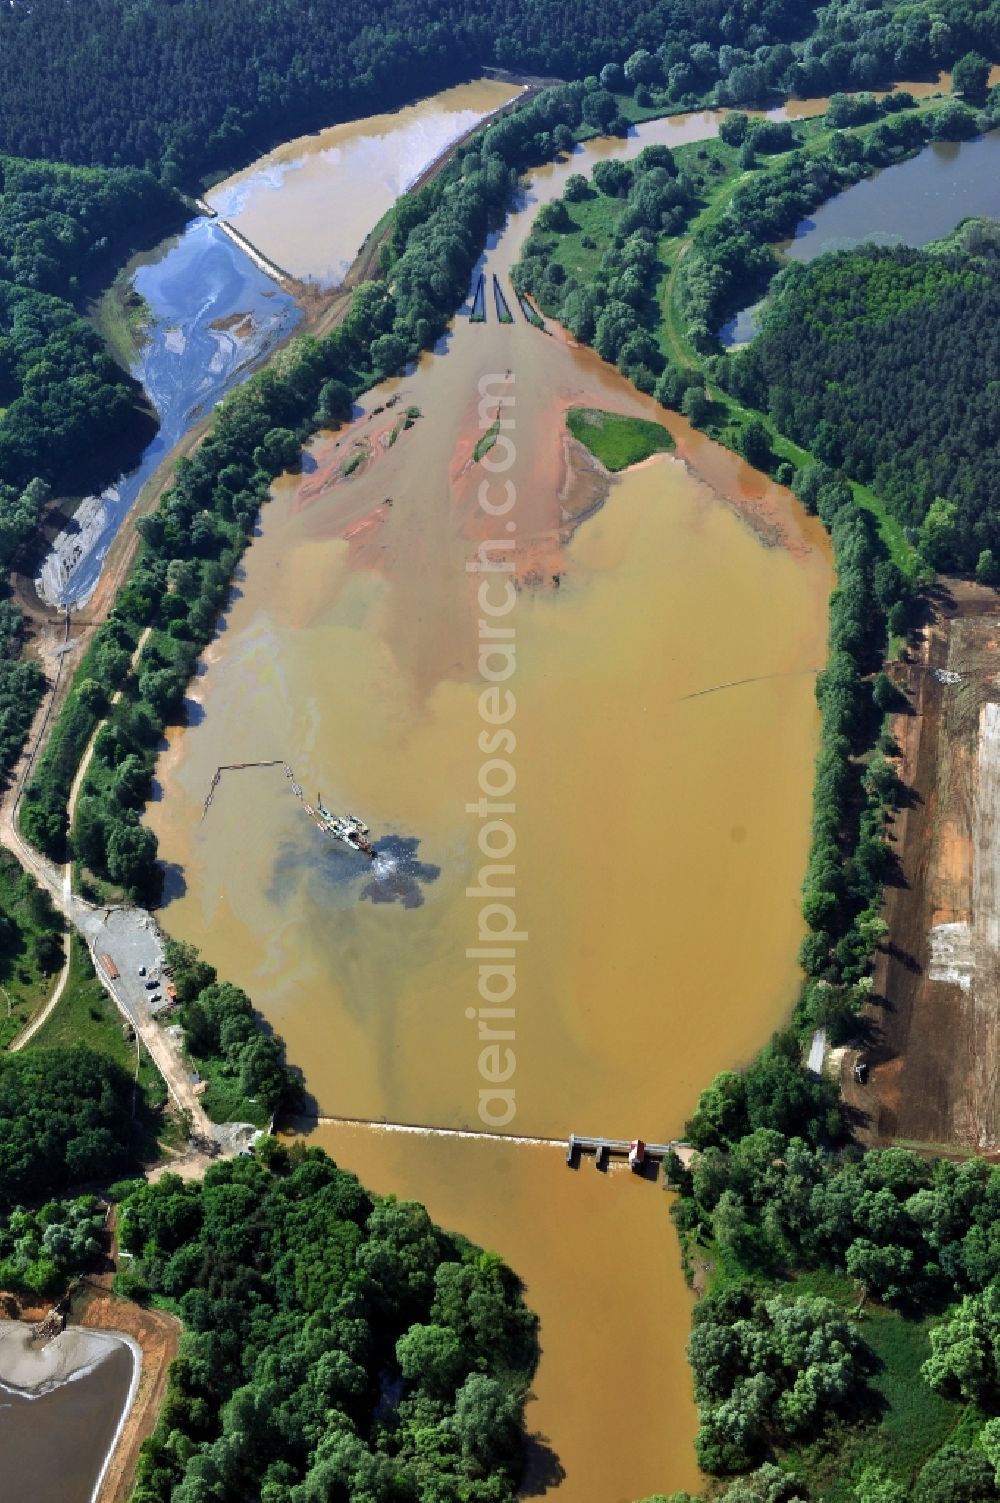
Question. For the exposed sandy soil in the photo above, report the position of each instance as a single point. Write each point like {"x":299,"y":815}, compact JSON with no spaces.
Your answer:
{"x":239,"y":324}
{"x":933,"y":1026}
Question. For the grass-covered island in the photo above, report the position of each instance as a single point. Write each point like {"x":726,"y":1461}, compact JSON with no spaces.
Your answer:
{"x":617,"y":441}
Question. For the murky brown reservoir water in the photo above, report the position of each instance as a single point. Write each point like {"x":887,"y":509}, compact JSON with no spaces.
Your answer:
{"x":310,"y":203}
{"x":660,"y":830}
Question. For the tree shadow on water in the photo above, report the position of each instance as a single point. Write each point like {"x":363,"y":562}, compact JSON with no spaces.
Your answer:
{"x":542,"y":1468}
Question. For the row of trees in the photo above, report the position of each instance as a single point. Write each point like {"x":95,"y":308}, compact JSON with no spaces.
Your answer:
{"x":845,"y":46}
{"x":222,"y":1036}
{"x":856,"y":786}
{"x":335,"y":1345}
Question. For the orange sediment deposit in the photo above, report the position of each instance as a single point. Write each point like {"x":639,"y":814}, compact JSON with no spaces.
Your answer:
{"x":158,"y":1336}
{"x":762,"y":503}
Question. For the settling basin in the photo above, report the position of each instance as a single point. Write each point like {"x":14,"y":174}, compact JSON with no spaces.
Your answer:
{"x":310,"y":203}
{"x":60,"y":1411}
{"x":213,"y":316}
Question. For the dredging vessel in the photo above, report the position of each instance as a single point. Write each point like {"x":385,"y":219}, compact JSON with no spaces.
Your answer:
{"x":345,"y":827}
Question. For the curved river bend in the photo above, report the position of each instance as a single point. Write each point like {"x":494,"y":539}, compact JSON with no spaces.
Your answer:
{"x":651,"y":819}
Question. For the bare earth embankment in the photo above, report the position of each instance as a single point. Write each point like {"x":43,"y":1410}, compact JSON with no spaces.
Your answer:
{"x":934,"y":1021}
{"x":158,"y":1336}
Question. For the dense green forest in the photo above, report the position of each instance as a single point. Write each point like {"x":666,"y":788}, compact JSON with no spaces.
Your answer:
{"x":69,"y":416}
{"x":336,"y":1345}
{"x":233,"y":73}
{"x":882,"y":362}
{"x":65,"y":1118}
{"x":230,"y":74}
{"x":75,"y":81}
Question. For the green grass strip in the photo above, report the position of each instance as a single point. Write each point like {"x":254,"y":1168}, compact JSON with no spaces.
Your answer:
{"x":487,"y":441}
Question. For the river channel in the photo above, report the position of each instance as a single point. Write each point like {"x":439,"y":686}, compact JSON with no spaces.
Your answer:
{"x":667,"y":628}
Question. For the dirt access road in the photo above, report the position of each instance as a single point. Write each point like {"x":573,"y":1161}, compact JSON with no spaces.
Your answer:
{"x":933,"y":1025}
{"x":128,"y":937}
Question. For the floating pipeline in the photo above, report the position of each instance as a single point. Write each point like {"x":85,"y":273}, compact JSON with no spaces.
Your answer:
{"x":347,"y":828}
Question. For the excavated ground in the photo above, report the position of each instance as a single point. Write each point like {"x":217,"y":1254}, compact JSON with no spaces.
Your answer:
{"x":932,"y":1028}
